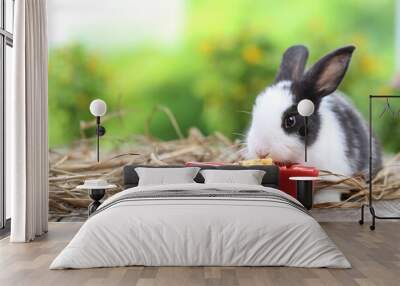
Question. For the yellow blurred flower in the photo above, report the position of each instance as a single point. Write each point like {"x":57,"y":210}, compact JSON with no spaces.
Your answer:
{"x":206,"y":48}
{"x":368,"y":64}
{"x":92,"y":64}
{"x":252,"y":54}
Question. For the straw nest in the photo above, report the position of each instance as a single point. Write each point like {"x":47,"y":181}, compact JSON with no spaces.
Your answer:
{"x":70,"y":167}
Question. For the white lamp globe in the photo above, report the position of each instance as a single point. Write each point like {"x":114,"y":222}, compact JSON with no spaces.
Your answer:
{"x":98,"y":107}
{"x":305,"y":107}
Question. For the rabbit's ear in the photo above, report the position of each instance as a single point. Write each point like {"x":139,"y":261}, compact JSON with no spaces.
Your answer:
{"x":293,"y":63}
{"x":325,"y":76}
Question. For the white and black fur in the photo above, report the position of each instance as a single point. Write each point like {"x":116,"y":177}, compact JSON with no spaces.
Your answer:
{"x":338,"y":136}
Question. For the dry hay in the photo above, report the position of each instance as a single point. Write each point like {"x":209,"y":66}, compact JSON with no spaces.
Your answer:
{"x":385,"y":185}
{"x":71,"y":167}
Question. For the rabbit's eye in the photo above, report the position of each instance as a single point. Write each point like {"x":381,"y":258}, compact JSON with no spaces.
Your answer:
{"x":290,"y":121}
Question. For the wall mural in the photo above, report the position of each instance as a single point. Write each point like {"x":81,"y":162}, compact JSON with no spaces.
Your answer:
{"x":219,"y":83}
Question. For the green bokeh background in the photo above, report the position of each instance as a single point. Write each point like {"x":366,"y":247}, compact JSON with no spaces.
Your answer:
{"x":230,"y":51}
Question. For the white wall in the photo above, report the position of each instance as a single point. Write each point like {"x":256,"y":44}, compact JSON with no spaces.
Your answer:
{"x":105,"y":23}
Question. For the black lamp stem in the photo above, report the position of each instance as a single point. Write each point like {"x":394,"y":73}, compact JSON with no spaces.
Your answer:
{"x":98,"y":137}
{"x":305,"y":137}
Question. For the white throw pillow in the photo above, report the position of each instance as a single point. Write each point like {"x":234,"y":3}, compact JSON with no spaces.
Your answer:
{"x":247,"y":177}
{"x":165,"y":176}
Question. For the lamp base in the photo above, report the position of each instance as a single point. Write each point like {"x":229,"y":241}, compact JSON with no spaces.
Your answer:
{"x":96,"y":195}
{"x":305,"y":193}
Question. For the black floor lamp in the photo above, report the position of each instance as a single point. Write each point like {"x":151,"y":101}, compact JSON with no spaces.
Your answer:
{"x":97,"y":187}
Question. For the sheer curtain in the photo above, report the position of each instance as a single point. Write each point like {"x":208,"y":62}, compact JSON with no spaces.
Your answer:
{"x":26,"y":124}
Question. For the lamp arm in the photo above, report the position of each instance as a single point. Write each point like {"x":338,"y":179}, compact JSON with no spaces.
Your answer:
{"x":305,"y":137}
{"x":98,"y":137}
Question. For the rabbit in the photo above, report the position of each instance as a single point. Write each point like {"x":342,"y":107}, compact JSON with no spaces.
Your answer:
{"x":337,"y":135}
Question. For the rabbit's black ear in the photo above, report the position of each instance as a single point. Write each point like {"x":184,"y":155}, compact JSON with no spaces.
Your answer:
{"x":325,"y":76}
{"x":293,"y":63}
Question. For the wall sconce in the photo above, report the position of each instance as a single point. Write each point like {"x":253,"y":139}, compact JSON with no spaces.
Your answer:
{"x":98,"y":108}
{"x":305,"y":108}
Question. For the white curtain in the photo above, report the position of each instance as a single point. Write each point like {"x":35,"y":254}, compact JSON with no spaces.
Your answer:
{"x":26,"y":123}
